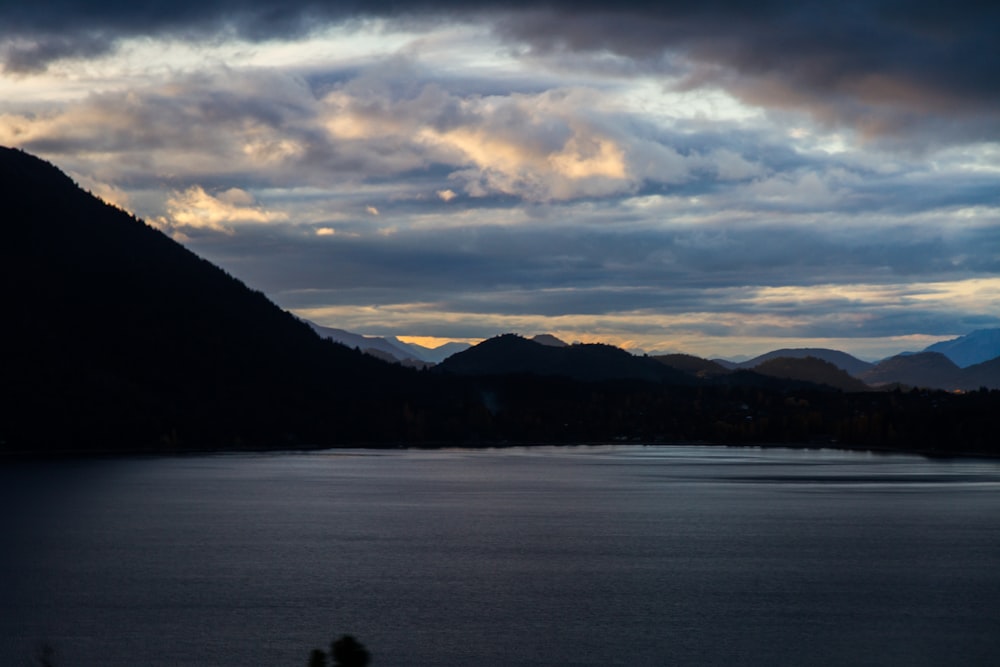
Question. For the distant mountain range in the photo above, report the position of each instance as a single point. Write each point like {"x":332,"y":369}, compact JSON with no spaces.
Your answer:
{"x":927,"y":369}
{"x":511,"y":354}
{"x":390,"y":349}
{"x":545,"y":354}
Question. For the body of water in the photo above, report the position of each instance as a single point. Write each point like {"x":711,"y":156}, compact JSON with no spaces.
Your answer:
{"x":584,"y":556}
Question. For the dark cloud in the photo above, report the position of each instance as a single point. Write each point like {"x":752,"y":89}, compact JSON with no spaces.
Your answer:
{"x":888,"y":68}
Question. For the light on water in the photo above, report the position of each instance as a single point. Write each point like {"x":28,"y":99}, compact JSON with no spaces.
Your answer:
{"x":581,"y":556}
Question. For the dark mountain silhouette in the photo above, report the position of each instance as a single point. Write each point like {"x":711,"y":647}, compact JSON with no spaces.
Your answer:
{"x":548,"y":339}
{"x":924,"y":369}
{"x":974,"y":348}
{"x":511,"y":354}
{"x":811,"y":369}
{"x":692,"y":365}
{"x":841,"y":360}
{"x":165,"y":349}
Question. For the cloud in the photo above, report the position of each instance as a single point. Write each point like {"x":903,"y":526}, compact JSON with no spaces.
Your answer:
{"x":886,"y":69}
{"x":644,"y":174}
{"x":196,"y":209}
{"x":225,"y":125}
{"x":192,"y":127}
{"x":891,"y":71}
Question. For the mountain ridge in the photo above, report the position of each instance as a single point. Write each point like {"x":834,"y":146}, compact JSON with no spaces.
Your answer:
{"x":509,"y":354}
{"x":168,"y":353}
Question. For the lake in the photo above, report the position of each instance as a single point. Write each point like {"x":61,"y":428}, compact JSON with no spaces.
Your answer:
{"x":611,"y":555}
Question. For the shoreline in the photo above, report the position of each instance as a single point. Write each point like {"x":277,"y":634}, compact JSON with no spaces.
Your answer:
{"x":97,"y":454}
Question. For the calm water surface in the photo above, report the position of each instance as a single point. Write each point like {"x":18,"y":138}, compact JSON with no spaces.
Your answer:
{"x":546,"y":556}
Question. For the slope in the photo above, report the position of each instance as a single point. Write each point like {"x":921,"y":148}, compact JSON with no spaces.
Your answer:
{"x":165,"y":350}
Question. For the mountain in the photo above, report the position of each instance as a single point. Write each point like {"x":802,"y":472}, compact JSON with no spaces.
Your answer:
{"x":390,"y":349}
{"x":692,"y":365}
{"x":841,"y":360}
{"x":974,"y":348}
{"x":431,"y":355}
{"x":548,"y":339}
{"x":811,"y":369}
{"x":510,"y":354}
{"x":378,"y":347}
{"x":986,"y":374}
{"x":923,"y":369}
{"x":165,"y":350}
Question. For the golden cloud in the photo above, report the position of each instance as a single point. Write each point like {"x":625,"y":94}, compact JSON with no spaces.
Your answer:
{"x":196,"y":208}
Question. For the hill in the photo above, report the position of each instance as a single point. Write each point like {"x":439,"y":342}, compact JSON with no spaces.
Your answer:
{"x":692,"y":365}
{"x":986,"y":374}
{"x":165,"y":350}
{"x":811,"y":369}
{"x":510,"y":354}
{"x":846,"y":362}
{"x":924,"y":369}
{"x":549,"y":339}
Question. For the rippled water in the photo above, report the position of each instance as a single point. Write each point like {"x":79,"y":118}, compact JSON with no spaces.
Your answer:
{"x":545,"y":556}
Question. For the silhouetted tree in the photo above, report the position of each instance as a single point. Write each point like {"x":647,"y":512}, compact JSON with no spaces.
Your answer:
{"x":45,"y":656}
{"x":349,"y":652}
{"x":346,"y":652}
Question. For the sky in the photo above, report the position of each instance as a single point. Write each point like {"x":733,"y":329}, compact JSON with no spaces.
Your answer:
{"x":720,"y":178}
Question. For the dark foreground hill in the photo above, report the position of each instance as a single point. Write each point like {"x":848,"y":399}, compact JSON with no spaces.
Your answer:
{"x":118,"y":337}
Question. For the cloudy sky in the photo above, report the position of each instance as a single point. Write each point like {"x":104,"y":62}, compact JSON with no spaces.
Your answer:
{"x":718,"y":177}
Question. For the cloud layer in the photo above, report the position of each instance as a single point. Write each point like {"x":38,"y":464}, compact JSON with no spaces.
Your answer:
{"x":886,"y":69}
{"x":717,"y":179}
